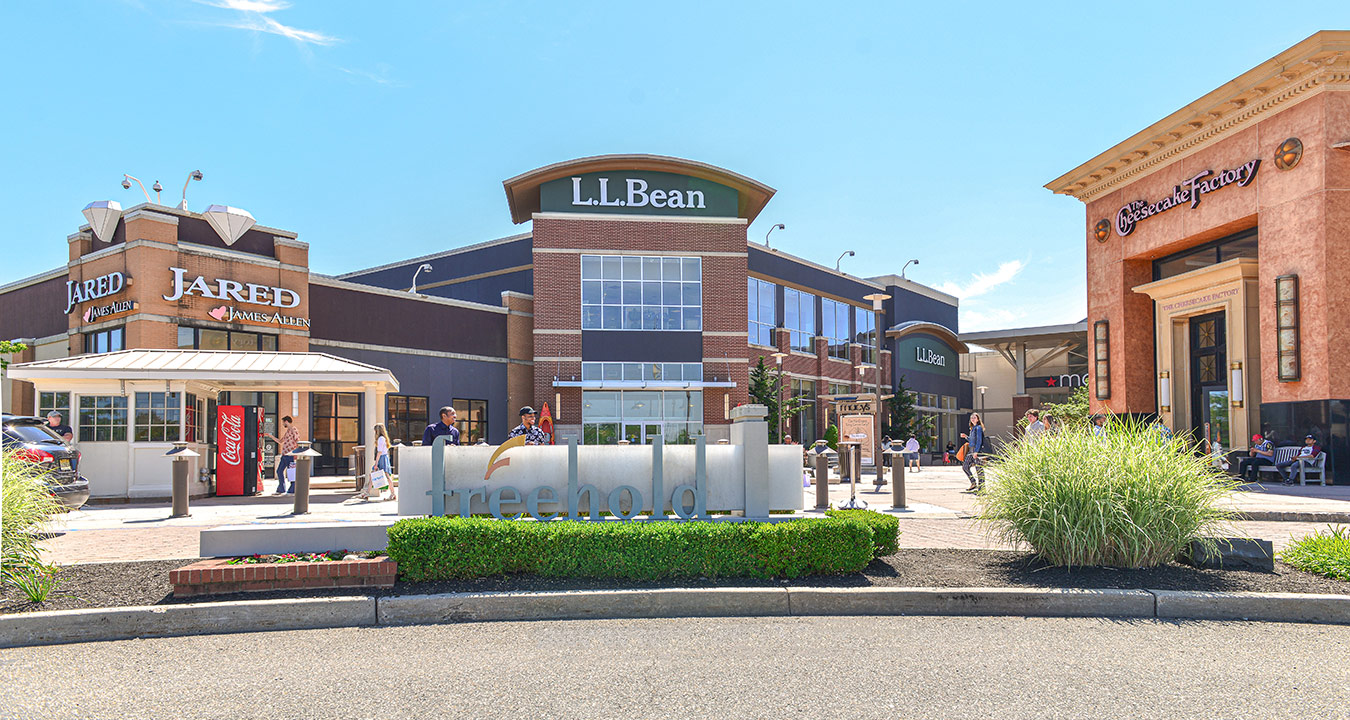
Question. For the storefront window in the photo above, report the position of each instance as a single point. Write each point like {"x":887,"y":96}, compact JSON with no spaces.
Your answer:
{"x":799,"y":317}
{"x":1238,"y":245}
{"x":865,"y":324}
{"x":471,"y":417}
{"x":641,"y":416}
{"x":407,"y":417}
{"x":190,"y":338}
{"x":645,"y":371}
{"x":105,"y":341}
{"x":103,"y":418}
{"x":336,"y":421}
{"x":194,"y":419}
{"x":760,"y":309}
{"x":55,"y":402}
{"x":803,"y":424}
{"x":158,"y":415}
{"x":641,"y":293}
{"x":834,"y":326}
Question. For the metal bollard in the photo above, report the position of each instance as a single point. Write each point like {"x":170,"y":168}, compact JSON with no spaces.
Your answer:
{"x":180,"y":454}
{"x":359,"y":472}
{"x":304,"y":462}
{"x":898,"y":485}
{"x":822,"y":476}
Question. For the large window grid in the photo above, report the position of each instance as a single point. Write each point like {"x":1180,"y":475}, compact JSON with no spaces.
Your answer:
{"x":641,"y":293}
{"x":653,"y":372}
{"x":103,"y":418}
{"x":760,"y":310}
{"x":834,"y":327}
{"x":865,"y":333}
{"x":799,"y":317}
{"x":406,"y":417}
{"x":471,"y":417}
{"x":105,"y":341}
{"x":194,"y":419}
{"x":803,"y":424}
{"x":639,"y":416}
{"x":336,"y":420}
{"x":158,"y":416}
{"x":55,"y":402}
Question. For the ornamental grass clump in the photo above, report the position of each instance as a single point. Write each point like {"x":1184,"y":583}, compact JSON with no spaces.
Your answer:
{"x":1325,"y":553}
{"x":1129,"y":498}
{"x":26,"y":508}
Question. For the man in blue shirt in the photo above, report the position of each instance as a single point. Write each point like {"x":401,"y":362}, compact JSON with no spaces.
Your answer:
{"x":533,"y":435}
{"x":445,"y":427}
{"x":1261,"y":453}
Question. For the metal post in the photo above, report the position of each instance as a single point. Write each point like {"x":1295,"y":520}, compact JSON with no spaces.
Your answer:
{"x":822,"y":476}
{"x":359,"y":474}
{"x":898,"y":484}
{"x":854,"y":452}
{"x":180,"y":454}
{"x":304,"y":460}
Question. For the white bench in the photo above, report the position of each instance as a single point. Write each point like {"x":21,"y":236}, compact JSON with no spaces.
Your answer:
{"x":1285,"y":453}
{"x":1282,"y":453}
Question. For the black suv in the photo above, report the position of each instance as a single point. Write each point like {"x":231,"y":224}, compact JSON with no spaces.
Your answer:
{"x":30,"y":439}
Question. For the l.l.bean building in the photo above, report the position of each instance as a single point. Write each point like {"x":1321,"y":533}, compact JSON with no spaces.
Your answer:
{"x":635,"y":307}
{"x":1217,"y":258}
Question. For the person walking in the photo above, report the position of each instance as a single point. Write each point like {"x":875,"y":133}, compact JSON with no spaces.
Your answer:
{"x":381,"y":463}
{"x":289,"y":442}
{"x":446,"y":426}
{"x":911,"y":455}
{"x":1035,"y":427}
{"x":533,"y":435}
{"x":975,"y":443}
{"x":1099,"y":425}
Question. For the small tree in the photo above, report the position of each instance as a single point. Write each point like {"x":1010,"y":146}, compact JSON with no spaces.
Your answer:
{"x":902,"y":420}
{"x":765,"y":389}
{"x":1072,"y":411}
{"x":7,"y":348}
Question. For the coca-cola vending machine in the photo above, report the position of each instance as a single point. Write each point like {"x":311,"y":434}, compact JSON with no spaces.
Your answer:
{"x":239,"y":444}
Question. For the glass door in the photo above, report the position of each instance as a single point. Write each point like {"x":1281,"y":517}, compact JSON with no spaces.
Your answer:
{"x":641,"y":433}
{"x":1216,"y":417}
{"x":1209,"y":378}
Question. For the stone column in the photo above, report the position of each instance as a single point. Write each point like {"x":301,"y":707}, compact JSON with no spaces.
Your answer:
{"x":750,"y":430}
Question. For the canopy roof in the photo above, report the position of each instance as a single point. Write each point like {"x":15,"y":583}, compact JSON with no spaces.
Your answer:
{"x":1044,"y":336}
{"x":225,"y":368}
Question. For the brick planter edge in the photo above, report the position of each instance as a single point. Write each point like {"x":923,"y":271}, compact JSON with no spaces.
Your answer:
{"x":214,"y":576}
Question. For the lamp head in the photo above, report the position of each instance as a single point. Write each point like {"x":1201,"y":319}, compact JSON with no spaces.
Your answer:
{"x":425,"y":266}
{"x":126,"y":184}
{"x":781,"y":226}
{"x":157,"y":187}
{"x":197,"y":175}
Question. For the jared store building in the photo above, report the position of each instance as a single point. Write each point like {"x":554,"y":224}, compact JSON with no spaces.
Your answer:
{"x":652,"y":306}
{"x":1217,"y":258}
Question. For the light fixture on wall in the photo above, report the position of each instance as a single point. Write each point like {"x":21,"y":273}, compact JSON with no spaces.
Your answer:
{"x":194,"y":175}
{"x":557,"y":407}
{"x":1286,"y":328}
{"x":1235,"y":383}
{"x":1165,"y":391}
{"x":1101,"y":355}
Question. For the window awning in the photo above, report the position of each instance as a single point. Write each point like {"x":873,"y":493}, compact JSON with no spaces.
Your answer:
{"x":643,"y":384}
{"x":221,"y":368}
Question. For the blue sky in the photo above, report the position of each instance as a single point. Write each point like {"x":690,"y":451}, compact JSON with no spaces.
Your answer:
{"x":382,"y":131}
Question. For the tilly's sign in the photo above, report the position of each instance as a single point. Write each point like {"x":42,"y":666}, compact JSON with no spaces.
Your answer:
{"x":638,"y":193}
{"x":1189,"y":191}
{"x":99,"y":287}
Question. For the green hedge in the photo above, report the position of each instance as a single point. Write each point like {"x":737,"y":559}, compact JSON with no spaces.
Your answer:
{"x":885,"y":529}
{"x":443,"y":548}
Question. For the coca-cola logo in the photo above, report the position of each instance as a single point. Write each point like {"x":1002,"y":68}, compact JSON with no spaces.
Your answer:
{"x":231,"y":439}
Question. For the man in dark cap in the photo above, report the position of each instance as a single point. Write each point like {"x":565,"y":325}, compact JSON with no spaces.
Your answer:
{"x":533,"y":435}
{"x":1306,"y":454}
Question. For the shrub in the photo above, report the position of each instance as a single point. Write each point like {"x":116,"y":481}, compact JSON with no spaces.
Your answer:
{"x":26,"y":507}
{"x":1322,"y":553}
{"x":444,"y":548}
{"x":1128,"y":499}
{"x":885,"y":529}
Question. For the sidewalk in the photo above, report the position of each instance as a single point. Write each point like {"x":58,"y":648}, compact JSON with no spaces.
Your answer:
{"x":939,"y":516}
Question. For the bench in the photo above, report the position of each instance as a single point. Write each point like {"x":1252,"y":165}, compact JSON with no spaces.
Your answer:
{"x":1285,"y":453}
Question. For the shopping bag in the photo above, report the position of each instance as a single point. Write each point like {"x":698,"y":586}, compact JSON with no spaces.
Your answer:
{"x":961,"y":454}
{"x":378,"y":480}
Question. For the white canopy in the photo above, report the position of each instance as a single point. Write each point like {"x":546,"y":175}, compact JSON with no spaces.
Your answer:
{"x":224,"y":368}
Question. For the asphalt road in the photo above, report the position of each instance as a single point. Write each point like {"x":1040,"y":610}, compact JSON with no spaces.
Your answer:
{"x":890,"y":668}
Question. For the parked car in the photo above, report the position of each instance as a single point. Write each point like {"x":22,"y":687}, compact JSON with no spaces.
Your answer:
{"x":30,"y":439}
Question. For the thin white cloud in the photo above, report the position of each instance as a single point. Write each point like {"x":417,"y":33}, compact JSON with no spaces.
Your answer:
{"x":381,"y":77}
{"x":981,"y":283}
{"x":995,"y":319}
{"x":253,"y":6}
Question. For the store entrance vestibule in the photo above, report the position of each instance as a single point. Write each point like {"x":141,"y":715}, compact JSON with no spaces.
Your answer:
{"x":1209,"y":379}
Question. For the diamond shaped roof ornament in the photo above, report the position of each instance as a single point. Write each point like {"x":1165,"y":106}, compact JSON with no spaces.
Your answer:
{"x":229,"y":222}
{"x":103,"y":216}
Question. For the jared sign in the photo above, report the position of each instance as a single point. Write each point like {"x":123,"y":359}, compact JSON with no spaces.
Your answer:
{"x":1189,"y":191}
{"x":637,"y":192}
{"x":251,"y":293}
{"x":102,"y":286}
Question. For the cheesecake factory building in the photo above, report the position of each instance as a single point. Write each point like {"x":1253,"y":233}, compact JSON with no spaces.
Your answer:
{"x":634,"y":306}
{"x":1218,"y":258}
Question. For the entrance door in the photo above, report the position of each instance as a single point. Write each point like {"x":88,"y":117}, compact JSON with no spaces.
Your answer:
{"x":641,"y":433}
{"x":1209,"y":379}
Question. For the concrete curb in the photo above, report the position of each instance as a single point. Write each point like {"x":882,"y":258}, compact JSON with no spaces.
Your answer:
{"x":1316,"y":516}
{"x":595,"y":604}
{"x":68,"y":626}
{"x":1275,"y":607}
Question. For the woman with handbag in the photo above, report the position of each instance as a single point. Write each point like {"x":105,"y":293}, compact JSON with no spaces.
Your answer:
{"x":971,"y":455}
{"x":382,"y":474}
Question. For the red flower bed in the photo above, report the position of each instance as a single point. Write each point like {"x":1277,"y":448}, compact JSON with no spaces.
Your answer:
{"x":218,"y":575}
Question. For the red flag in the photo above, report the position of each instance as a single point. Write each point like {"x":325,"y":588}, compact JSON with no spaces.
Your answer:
{"x":546,"y":424}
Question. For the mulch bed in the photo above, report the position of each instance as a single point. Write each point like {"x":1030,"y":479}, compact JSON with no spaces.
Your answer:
{"x":147,"y":583}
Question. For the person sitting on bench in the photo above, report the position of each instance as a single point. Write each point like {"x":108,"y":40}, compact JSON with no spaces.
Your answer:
{"x":1261,"y":453}
{"x":1306,"y":454}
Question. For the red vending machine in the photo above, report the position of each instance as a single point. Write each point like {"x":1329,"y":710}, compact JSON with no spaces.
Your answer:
{"x":239,"y":444}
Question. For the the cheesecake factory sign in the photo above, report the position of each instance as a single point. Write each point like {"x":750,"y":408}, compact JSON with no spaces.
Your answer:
{"x":1189,"y":191}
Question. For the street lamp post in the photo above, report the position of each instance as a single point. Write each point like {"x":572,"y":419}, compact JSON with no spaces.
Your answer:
{"x":779,"y":357}
{"x":877,"y":300}
{"x":982,"y":388}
